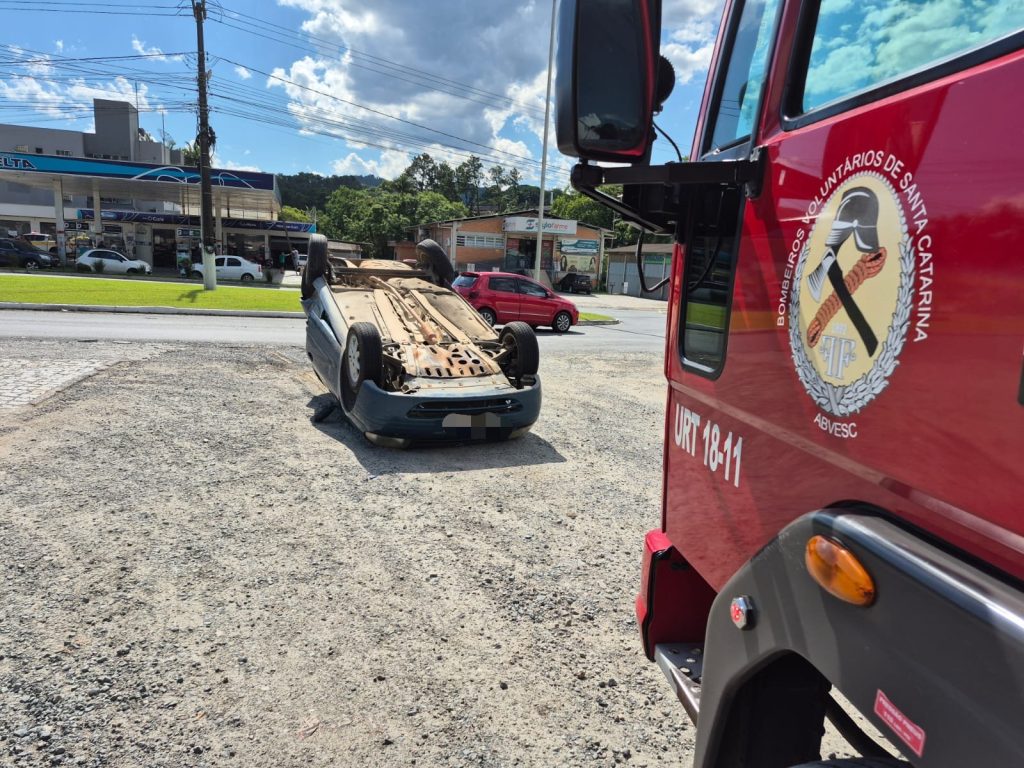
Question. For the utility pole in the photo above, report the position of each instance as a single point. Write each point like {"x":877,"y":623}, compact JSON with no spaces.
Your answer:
{"x":205,"y":189}
{"x":544,"y":152}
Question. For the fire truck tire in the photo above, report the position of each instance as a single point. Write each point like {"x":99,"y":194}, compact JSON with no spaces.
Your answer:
{"x":524,"y":358}
{"x":362,"y":359}
{"x":317,"y":264}
{"x":857,"y":762}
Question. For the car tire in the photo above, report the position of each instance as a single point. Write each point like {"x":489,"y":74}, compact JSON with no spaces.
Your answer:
{"x":362,"y":359}
{"x":196,"y":274}
{"x":489,"y":316}
{"x":132,"y":271}
{"x":247,"y":278}
{"x":31,"y":264}
{"x":317,"y":264}
{"x":523,"y":358}
{"x":562,"y":322}
{"x":53,"y":251}
{"x":83,"y":268}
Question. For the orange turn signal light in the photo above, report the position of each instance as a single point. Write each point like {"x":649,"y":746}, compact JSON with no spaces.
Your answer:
{"x":839,"y":571}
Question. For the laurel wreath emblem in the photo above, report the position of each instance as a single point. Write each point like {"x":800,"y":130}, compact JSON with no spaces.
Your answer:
{"x":847,"y":399}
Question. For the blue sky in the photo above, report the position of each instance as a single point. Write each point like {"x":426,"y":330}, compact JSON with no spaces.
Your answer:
{"x":328,"y":86}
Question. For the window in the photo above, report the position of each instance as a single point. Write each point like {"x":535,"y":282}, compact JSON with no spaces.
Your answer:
{"x":234,"y":263}
{"x":39,"y":150}
{"x":465,"y":281}
{"x":64,"y":153}
{"x":21,"y":148}
{"x":707,"y":282}
{"x":469,"y":240}
{"x":532,"y":289}
{"x":858,"y":46}
{"x":219,"y":262}
{"x":503,"y":284}
{"x":740,"y":91}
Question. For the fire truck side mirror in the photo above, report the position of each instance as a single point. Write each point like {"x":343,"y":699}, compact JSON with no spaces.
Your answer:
{"x":606,"y":74}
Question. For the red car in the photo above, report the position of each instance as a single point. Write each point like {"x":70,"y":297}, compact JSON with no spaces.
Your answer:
{"x":501,"y":297}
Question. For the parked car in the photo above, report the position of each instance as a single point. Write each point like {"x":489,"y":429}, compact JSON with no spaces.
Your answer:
{"x":502,"y":297}
{"x":576,"y":282}
{"x":231,"y":268}
{"x":16,"y":253}
{"x":43,"y":242}
{"x":113,"y":262}
{"x":410,"y":360}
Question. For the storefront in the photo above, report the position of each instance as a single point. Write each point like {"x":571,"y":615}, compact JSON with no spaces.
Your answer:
{"x":508,"y":243}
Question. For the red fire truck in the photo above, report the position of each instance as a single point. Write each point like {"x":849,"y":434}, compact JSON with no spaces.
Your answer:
{"x":843,"y":494}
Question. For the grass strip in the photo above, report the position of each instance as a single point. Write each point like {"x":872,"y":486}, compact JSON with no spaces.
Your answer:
{"x":43,"y":289}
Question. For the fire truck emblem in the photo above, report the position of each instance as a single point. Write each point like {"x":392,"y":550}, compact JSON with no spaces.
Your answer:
{"x":852,"y":296}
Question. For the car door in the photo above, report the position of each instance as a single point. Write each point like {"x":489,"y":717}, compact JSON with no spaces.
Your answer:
{"x":113,"y":263}
{"x":506,"y":297}
{"x":232,"y":268}
{"x":220,"y":268}
{"x":535,"y":305}
{"x":8,"y":254}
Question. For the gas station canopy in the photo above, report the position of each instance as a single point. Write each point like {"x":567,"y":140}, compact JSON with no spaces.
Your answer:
{"x":246,"y":190}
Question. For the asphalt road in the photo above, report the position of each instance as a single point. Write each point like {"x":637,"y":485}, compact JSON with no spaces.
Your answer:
{"x":638,"y":331}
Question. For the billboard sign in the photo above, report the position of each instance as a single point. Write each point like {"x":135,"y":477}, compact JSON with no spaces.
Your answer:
{"x":529,"y":224}
{"x":130,"y":171}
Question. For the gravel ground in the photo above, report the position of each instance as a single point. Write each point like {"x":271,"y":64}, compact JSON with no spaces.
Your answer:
{"x":194,"y":574}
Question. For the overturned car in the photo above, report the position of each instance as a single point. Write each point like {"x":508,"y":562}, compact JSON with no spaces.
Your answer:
{"x":409,"y":360}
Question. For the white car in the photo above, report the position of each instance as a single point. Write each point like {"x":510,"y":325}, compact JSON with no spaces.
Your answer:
{"x":231,"y":268}
{"x":113,"y":263}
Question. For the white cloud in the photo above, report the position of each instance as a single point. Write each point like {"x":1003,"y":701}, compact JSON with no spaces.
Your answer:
{"x":59,"y":45}
{"x":231,"y":165}
{"x":139,"y":46}
{"x":242,"y":72}
{"x":388,"y":165}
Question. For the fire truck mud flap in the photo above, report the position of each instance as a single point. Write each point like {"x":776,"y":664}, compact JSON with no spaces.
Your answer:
{"x":936,"y":661}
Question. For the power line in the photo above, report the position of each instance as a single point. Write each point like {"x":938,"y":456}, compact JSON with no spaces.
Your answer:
{"x":377,"y":111}
{"x":390,"y":68}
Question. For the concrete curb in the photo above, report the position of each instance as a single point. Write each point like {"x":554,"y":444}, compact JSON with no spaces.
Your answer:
{"x":150,"y":310}
{"x":188,"y":311}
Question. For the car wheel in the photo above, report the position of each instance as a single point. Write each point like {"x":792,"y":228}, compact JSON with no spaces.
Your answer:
{"x":31,"y":264}
{"x":361,"y":360}
{"x":522,"y":358}
{"x":83,"y":268}
{"x":247,"y":278}
{"x":488,"y":315}
{"x":317,"y":265}
{"x":562,"y":322}
{"x":132,"y":271}
{"x":53,"y":251}
{"x":196,"y":275}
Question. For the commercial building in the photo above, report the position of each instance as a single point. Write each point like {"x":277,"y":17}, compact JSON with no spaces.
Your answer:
{"x":508,"y":243}
{"x":119,"y":187}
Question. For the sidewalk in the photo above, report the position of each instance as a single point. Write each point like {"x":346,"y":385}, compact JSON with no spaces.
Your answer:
{"x":598,"y":301}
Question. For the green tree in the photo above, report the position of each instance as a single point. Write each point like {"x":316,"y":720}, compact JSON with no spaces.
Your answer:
{"x":423,"y":172}
{"x":380,"y":220}
{"x":433,"y":206}
{"x":574,"y":205}
{"x":291,"y":213}
{"x":342,"y":211}
{"x":445,"y":182}
{"x":469,"y":175}
{"x":190,"y":154}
